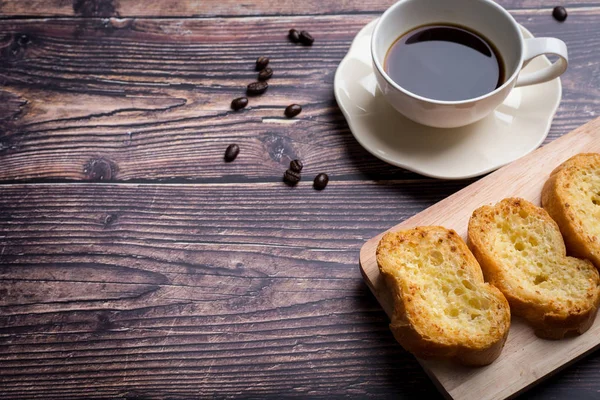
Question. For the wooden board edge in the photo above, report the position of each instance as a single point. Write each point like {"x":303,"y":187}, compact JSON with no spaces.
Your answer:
{"x":558,"y":369}
{"x":366,"y":252}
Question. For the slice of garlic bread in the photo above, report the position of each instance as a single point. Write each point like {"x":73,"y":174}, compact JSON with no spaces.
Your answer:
{"x":442,"y":306}
{"x":572,"y":198}
{"x":522,"y":253}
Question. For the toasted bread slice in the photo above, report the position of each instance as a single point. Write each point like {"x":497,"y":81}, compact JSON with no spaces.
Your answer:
{"x":572,"y":198}
{"x":442,"y":306}
{"x":522,"y":253}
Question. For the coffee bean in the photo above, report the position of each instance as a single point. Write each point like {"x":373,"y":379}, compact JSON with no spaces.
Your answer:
{"x":320,"y":181}
{"x":256,"y":88}
{"x":265,"y":74}
{"x":291,"y":177}
{"x":306,"y":38}
{"x":232,"y":152}
{"x":559,"y":13}
{"x":261,"y":63}
{"x":292,"y":110}
{"x":239,"y":103}
{"x":296,"y":166}
{"x":294,"y":35}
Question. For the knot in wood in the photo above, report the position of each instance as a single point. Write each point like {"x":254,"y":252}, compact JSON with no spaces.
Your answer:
{"x":110,"y":219}
{"x":15,"y":49}
{"x":99,"y":169}
{"x":23,"y":39}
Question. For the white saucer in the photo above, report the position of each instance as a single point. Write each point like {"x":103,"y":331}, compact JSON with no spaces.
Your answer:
{"x":514,"y":129}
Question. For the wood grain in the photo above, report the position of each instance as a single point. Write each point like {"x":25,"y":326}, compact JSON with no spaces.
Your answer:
{"x":227,"y":283}
{"x":197,"y":290}
{"x":187,"y":8}
{"x":151,"y":97}
{"x":525,"y":358}
{"x":162,"y":291}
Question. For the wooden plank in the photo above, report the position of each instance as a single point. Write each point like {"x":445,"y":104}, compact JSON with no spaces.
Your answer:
{"x":240,"y":290}
{"x":197,"y":290}
{"x":151,"y":97}
{"x":525,"y":359}
{"x":189,"y":8}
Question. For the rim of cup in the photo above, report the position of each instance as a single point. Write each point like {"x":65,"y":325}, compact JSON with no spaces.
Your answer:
{"x":390,"y":81}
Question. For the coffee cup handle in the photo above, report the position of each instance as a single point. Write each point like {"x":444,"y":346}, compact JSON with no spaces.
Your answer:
{"x":536,"y":47}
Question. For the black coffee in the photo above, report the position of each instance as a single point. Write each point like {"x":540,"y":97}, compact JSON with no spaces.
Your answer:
{"x":444,"y":62}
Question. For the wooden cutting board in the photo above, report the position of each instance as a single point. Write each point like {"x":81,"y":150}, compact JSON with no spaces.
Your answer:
{"x":526,"y":359}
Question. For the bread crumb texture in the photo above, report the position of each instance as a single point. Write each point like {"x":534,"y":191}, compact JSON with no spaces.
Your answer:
{"x":521,"y":251}
{"x":439,"y":291}
{"x":582,"y":182}
{"x":572,"y":197}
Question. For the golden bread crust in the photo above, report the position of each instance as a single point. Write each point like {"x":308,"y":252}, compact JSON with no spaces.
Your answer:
{"x":442,"y":306}
{"x":522,"y":253}
{"x":566,"y":207}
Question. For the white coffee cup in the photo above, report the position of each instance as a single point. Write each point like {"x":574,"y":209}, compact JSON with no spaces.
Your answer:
{"x":482,"y":16}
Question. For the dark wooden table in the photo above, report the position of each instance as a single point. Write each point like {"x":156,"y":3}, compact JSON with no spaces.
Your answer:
{"x":135,"y":263}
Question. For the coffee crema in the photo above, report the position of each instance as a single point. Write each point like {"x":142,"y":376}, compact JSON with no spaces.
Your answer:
{"x":445,"y":62}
